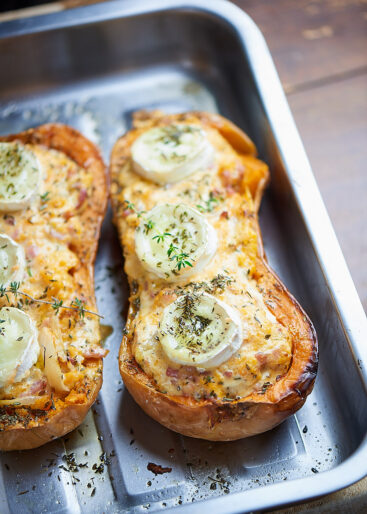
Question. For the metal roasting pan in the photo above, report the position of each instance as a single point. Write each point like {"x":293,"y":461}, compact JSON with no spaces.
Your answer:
{"x":91,"y":68}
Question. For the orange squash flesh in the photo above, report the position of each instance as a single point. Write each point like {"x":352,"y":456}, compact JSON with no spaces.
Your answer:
{"x":212,"y":418}
{"x":24,"y":427}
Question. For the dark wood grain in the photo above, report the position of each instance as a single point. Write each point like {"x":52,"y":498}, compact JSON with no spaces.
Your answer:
{"x":320,"y":51}
{"x":312,"y":41}
{"x":332,"y":121}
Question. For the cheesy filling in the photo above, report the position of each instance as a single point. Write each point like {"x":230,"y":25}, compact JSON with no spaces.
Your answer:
{"x":49,"y":231}
{"x":265,"y":350}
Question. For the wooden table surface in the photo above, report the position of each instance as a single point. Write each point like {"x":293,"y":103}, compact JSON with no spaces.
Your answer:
{"x":320,"y":50}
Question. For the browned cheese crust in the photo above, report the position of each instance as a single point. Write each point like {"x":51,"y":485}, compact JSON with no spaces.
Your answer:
{"x":216,"y":418}
{"x":24,"y":427}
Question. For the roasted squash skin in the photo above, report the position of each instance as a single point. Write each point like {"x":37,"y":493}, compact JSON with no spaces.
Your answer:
{"x":216,"y":418}
{"x":26,"y":427}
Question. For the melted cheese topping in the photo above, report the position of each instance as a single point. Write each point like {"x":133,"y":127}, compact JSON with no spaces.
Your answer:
{"x":219,"y":193}
{"x":50,"y":231}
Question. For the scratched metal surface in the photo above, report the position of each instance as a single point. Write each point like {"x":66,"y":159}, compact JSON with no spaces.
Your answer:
{"x":92,"y":68}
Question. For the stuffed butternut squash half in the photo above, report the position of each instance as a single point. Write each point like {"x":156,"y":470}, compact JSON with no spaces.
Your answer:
{"x":215,"y":347}
{"x":53,"y":197}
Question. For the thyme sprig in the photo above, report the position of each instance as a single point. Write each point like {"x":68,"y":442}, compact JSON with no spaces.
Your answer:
{"x":45,"y":197}
{"x":161,"y":237}
{"x":76,"y":305}
{"x":181,"y":260}
{"x":148,"y":226}
{"x":131,"y":207}
{"x":171,"y":250}
{"x":209,"y":204}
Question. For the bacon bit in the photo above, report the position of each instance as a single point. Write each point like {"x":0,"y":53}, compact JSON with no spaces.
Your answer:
{"x":189,"y":373}
{"x":15,"y":234}
{"x":224,"y":215}
{"x":276,"y":354}
{"x":82,"y":197}
{"x":261,"y":358}
{"x":170,"y":372}
{"x":95,"y":353}
{"x":157,"y":469}
{"x":66,"y":313}
{"x":228,"y":374}
{"x":189,"y":370}
{"x":127,"y":213}
{"x":230,"y":190}
{"x":36,"y":387}
{"x":67,"y":215}
{"x":72,"y":360}
{"x":9,"y":219}
{"x":32,"y":251}
{"x":168,"y":298}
